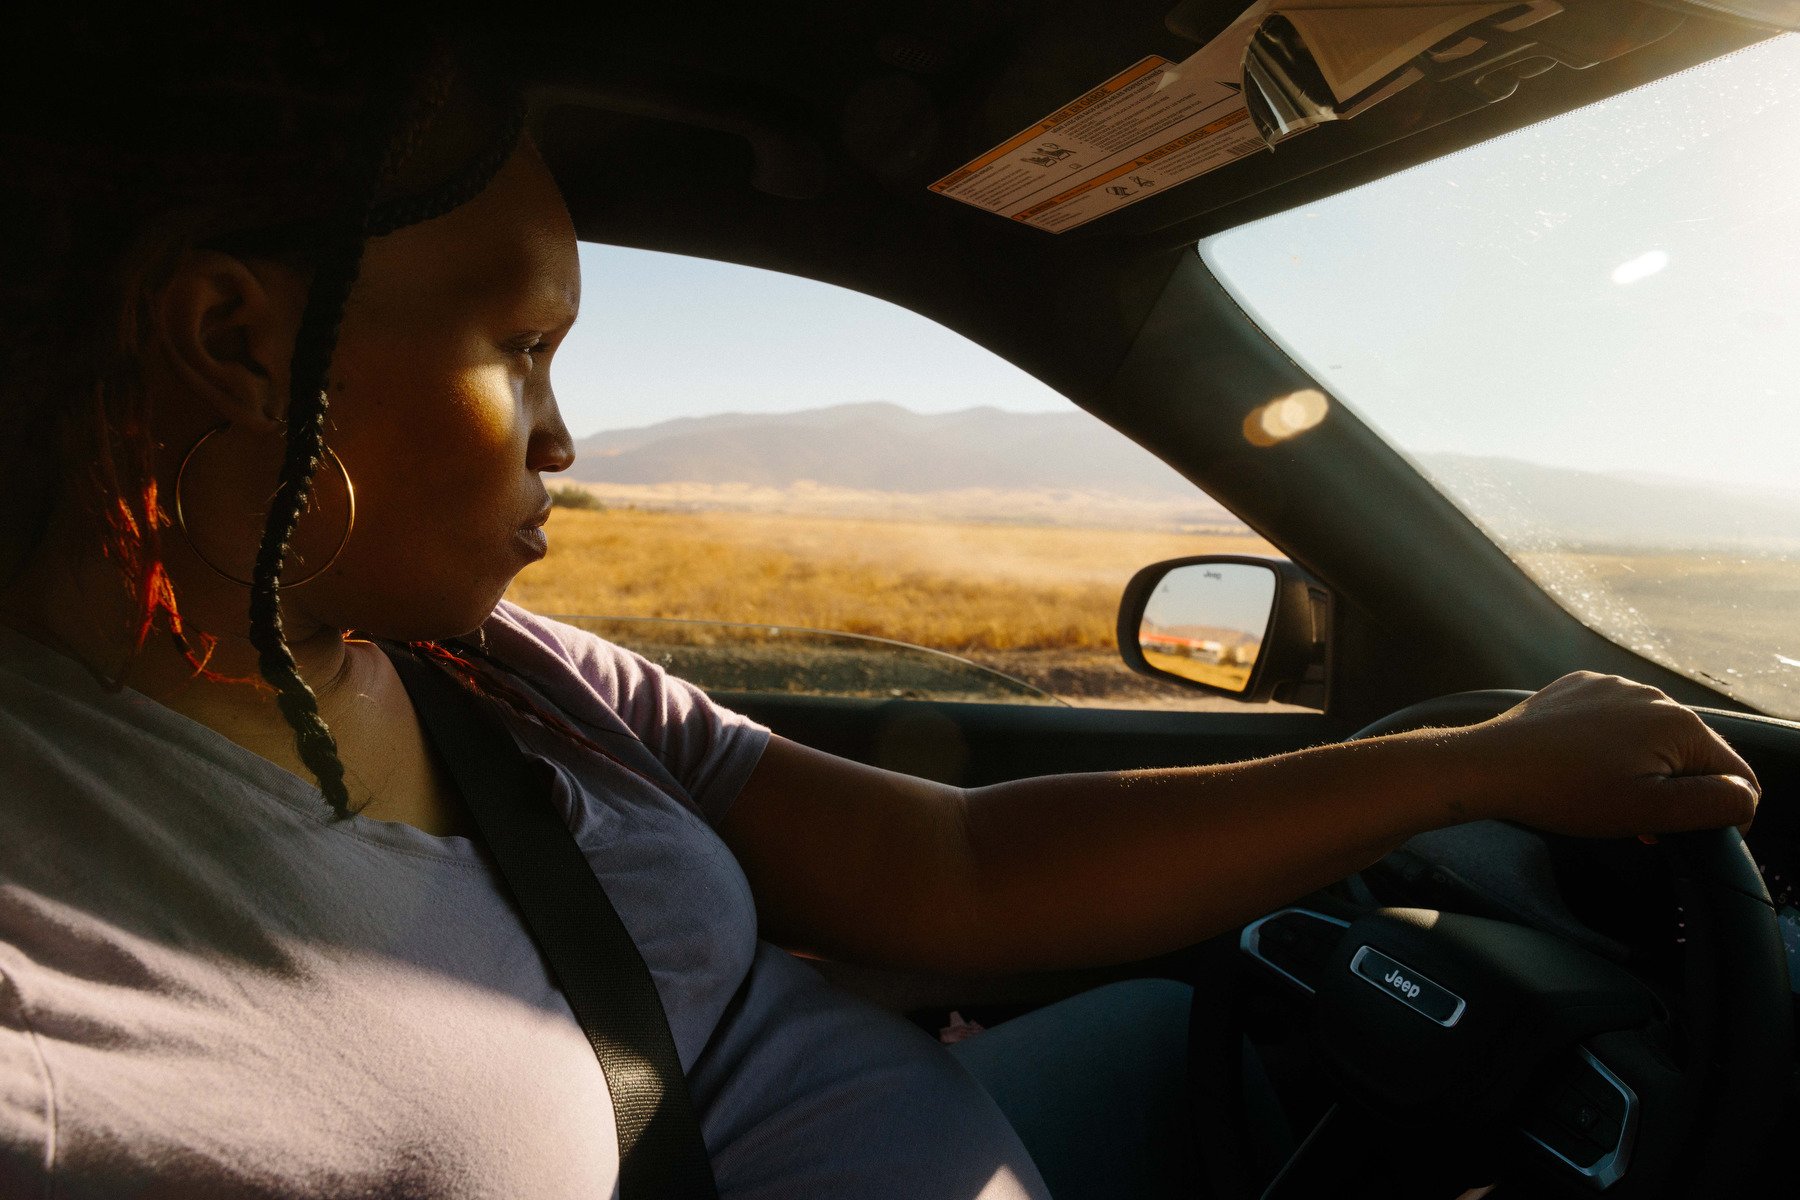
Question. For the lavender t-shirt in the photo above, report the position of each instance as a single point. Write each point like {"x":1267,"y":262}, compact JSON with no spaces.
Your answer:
{"x":210,"y":988}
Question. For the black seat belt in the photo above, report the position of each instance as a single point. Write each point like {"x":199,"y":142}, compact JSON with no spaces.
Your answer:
{"x":590,"y":952}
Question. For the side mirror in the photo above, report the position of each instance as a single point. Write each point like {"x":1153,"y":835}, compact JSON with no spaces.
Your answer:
{"x":1252,"y":628}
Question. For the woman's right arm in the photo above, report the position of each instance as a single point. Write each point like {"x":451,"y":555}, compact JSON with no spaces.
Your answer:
{"x":1072,"y":870}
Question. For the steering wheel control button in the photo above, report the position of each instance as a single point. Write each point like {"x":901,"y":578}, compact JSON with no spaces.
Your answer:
{"x":1588,"y":1121}
{"x":1406,"y":985}
{"x":1295,"y":943}
{"x":1579,"y":1115}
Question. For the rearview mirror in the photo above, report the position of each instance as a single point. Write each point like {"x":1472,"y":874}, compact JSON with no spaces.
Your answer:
{"x":1252,"y":628}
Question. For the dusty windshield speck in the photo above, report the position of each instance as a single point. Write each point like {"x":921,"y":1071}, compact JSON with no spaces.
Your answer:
{"x":1587,"y":335}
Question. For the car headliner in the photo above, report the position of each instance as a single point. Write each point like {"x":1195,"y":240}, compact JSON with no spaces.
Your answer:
{"x":800,"y":137}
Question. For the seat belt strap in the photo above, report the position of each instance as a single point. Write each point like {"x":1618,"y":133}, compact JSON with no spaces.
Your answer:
{"x":590,"y":952}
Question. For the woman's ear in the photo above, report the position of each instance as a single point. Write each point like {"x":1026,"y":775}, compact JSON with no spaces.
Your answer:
{"x":228,"y":326}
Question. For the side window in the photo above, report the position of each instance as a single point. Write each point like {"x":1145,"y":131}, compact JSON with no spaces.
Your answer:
{"x":785,"y":486}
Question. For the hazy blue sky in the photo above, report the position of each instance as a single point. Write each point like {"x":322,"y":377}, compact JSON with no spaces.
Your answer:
{"x":1616,"y":290}
{"x":663,"y":336}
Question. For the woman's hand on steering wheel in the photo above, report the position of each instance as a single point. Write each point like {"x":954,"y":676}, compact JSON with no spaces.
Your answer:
{"x":1600,"y":756}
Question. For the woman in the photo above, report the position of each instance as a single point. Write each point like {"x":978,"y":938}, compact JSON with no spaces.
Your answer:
{"x":248,"y":945}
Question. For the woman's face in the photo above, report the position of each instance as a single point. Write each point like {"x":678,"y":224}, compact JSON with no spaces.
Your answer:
{"x":442,"y":414}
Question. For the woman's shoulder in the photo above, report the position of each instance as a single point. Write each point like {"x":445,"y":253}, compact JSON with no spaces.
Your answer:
{"x":554,"y":655}
{"x":603,"y":686}
{"x":577,"y":669}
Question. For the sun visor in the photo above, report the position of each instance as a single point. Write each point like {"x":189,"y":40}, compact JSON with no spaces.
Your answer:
{"x":1283,"y":67}
{"x":1311,"y":61}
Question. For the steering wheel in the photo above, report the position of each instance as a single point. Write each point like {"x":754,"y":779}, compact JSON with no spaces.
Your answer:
{"x":1463,"y":1050}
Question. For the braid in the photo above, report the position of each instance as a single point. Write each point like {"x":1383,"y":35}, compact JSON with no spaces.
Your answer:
{"x":307,"y":407}
{"x":335,"y":275}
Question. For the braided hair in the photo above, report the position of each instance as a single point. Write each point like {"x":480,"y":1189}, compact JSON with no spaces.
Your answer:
{"x":242,"y":133}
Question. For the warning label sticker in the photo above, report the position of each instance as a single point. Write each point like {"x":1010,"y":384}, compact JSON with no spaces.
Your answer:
{"x":1153,"y":125}
{"x":1181,"y":158}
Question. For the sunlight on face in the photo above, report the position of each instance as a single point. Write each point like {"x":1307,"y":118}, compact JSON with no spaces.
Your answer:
{"x":442,"y":408}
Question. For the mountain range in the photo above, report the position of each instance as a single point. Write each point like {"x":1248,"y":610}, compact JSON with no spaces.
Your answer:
{"x":881,"y":447}
{"x":1530,"y":505}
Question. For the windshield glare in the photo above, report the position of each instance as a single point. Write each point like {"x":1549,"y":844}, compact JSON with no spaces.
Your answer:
{"x":1587,"y":335}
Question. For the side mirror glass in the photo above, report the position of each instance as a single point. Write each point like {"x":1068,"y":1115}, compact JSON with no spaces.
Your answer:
{"x":1205,"y":623}
{"x":1252,"y":628}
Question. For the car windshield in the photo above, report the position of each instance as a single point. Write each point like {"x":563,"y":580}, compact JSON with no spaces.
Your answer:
{"x":1587,"y":335}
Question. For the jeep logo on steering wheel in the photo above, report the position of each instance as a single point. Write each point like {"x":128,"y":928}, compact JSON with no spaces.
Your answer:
{"x":1406,"y":985}
{"x":1401,"y":984}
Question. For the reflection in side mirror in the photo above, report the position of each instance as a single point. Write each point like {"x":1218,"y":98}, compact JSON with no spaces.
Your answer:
{"x":1206,"y":622}
{"x":1252,"y":628}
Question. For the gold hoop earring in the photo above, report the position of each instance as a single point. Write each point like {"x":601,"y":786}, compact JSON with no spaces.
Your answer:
{"x":181,"y":516}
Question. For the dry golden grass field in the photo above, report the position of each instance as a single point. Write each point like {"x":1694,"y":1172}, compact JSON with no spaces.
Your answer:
{"x":1037,"y":601}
